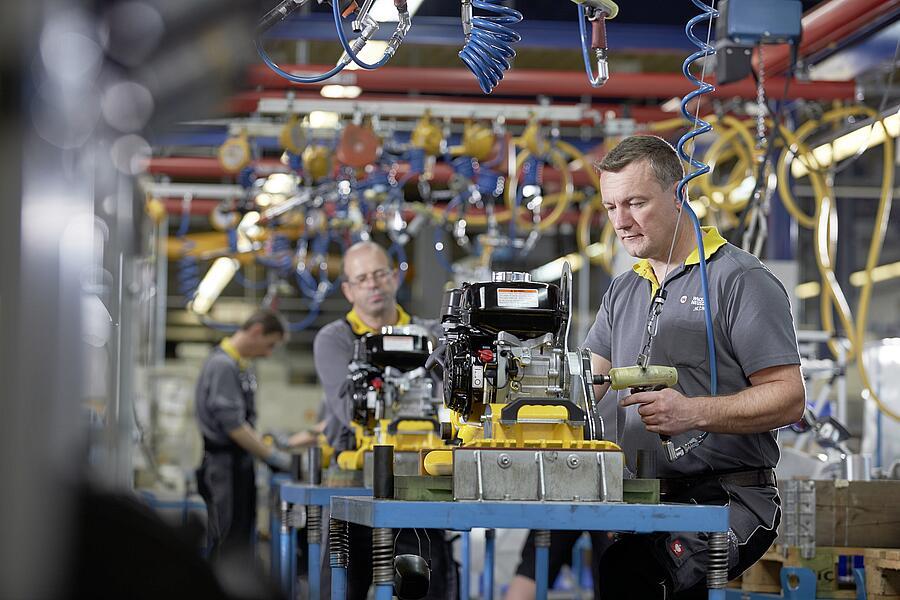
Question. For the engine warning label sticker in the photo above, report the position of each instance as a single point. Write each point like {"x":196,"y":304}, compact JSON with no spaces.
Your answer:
{"x":397,"y":343}
{"x":517,"y":298}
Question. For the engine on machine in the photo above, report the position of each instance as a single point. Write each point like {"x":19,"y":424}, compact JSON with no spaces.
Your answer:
{"x":393,"y":397}
{"x":523,"y":402}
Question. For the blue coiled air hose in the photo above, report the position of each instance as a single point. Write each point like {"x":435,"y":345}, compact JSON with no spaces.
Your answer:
{"x":699,"y":127}
{"x":488,"y":48}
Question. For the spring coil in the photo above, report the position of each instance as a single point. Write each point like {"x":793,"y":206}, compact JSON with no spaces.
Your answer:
{"x":338,"y":543}
{"x":542,"y":538}
{"x":488,"y":48}
{"x":314,"y":524}
{"x":717,"y":567}
{"x":698,"y":127}
{"x":382,"y":556}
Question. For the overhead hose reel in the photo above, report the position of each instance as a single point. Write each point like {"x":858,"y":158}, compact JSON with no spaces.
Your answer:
{"x":489,"y":41}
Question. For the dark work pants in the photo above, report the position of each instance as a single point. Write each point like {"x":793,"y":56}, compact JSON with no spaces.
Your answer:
{"x":226,"y":480}
{"x":672,"y":566}
{"x":660,"y":566}
{"x":444,"y":581}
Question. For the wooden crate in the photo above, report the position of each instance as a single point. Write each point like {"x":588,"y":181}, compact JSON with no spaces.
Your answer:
{"x":882,"y":574}
{"x":854,"y":514}
{"x":765,"y":575}
{"x":825,"y":565}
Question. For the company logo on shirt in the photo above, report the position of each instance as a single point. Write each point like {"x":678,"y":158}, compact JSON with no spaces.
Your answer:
{"x":697,"y":303}
{"x":677,"y":548}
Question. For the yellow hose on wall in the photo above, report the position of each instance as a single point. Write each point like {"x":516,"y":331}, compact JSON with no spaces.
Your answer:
{"x":825,"y":233}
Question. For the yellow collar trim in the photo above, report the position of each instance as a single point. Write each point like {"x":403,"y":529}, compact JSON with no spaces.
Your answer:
{"x":360,"y":328}
{"x":231,"y":351}
{"x":712,"y":241}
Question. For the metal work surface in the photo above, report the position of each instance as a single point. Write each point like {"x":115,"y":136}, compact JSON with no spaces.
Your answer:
{"x":582,"y":516}
{"x":528,"y":475}
{"x":306,"y":494}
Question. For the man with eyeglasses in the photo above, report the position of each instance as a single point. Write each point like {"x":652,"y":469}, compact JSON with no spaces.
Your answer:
{"x":370,"y":285}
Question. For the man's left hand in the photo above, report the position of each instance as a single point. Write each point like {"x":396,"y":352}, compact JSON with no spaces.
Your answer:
{"x":666,"y":412}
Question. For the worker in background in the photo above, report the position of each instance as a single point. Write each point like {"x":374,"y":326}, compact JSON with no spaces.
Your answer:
{"x":370,"y":285}
{"x":760,"y":387}
{"x":226,"y":415}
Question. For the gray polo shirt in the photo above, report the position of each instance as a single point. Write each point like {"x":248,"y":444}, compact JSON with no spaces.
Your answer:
{"x":753,"y":330}
{"x":225,"y":397}
{"x":332,"y":353}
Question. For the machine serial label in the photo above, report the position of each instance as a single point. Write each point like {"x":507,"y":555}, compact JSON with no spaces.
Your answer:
{"x":477,"y":376}
{"x":517,"y":298}
{"x":397,"y":343}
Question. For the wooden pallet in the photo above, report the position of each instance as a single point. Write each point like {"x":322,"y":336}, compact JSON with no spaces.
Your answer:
{"x":882,"y":574}
{"x":765,"y":575}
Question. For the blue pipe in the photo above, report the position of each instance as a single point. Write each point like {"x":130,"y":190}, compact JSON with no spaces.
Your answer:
{"x":489,"y":547}
{"x":339,"y":26}
{"x":315,"y":566}
{"x":284,"y":539}
{"x":464,"y":584}
{"x":338,"y":583}
{"x":289,"y":76}
{"x":699,"y":127}
{"x":541,"y":571}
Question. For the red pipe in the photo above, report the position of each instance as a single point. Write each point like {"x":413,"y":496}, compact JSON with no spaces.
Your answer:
{"x":204,"y":206}
{"x":827,"y":24}
{"x":533,"y":82}
{"x":193,"y":168}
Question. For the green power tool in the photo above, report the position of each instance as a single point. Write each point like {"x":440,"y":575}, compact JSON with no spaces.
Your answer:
{"x":651,"y":378}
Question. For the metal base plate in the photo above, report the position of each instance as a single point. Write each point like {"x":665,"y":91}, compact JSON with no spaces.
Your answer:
{"x":533,"y":474}
{"x":405,"y":463}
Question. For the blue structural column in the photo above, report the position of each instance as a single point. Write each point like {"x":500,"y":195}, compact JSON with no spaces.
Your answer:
{"x":314,"y":540}
{"x":274,"y":528}
{"x":541,"y":563}
{"x":285,"y":554}
{"x":466,"y":565}
{"x":489,"y":546}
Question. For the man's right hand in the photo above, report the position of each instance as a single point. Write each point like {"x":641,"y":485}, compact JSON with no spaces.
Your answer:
{"x":279,"y":460}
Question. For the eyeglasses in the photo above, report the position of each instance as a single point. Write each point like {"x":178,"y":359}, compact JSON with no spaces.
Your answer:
{"x":377,"y":277}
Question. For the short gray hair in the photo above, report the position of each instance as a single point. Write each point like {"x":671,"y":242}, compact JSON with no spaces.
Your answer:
{"x":661,"y":155}
{"x":361,"y":247}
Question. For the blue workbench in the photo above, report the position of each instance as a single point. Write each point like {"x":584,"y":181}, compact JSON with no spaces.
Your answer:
{"x":467,"y":515}
{"x":313,"y":498}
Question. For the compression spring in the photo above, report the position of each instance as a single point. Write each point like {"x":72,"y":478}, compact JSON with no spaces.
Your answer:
{"x":717,"y":567}
{"x":382,"y":556}
{"x":314,"y":524}
{"x":338,"y":543}
{"x":489,"y":40}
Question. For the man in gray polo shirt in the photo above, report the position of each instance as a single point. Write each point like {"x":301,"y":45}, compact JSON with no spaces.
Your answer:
{"x":225,"y":405}
{"x":370,"y":285}
{"x":759,"y":384}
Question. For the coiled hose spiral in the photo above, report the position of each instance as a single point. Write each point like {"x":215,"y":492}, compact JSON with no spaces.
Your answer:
{"x":489,"y":41}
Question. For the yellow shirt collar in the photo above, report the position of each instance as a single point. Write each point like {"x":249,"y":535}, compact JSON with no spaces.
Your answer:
{"x":231,"y":351}
{"x":712,"y":241}
{"x":360,"y":328}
